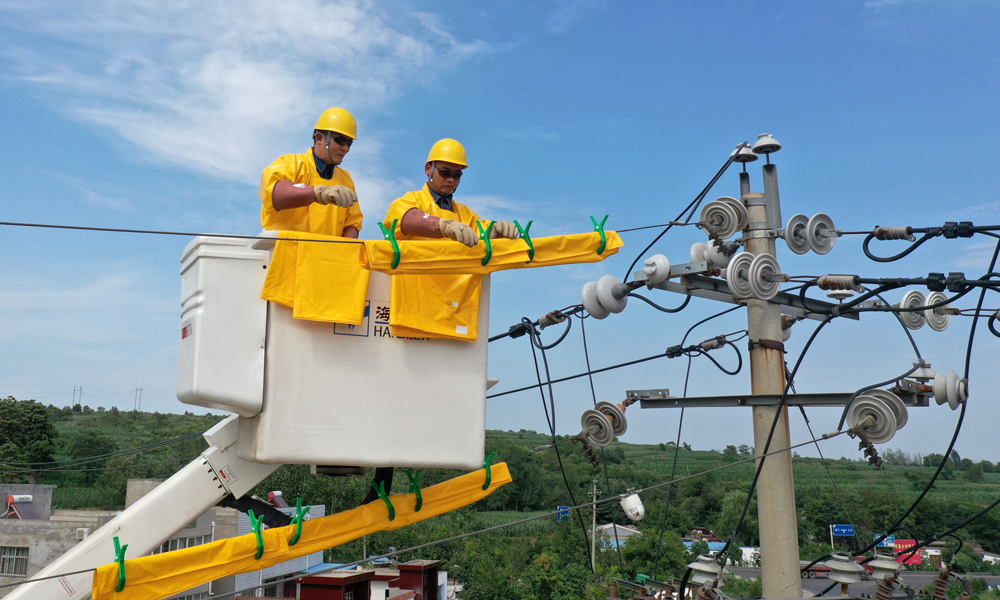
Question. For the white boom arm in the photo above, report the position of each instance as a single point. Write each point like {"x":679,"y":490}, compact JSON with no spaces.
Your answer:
{"x":155,"y":517}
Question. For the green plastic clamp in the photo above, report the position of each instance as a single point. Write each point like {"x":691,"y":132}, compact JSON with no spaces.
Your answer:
{"x":415,"y":487}
{"x":599,"y":228}
{"x":300,"y":514}
{"x":390,"y":234}
{"x":527,"y":238}
{"x":489,"y":471}
{"x":485,"y":236}
{"x":255,"y":522}
{"x":120,"y":559}
{"x":380,"y":488}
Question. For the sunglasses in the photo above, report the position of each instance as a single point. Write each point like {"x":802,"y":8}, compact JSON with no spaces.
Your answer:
{"x":342,"y":140}
{"x":445,"y":173}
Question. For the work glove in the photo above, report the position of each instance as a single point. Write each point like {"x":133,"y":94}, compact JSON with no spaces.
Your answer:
{"x":460,"y":232}
{"x":341,"y":195}
{"x":504,"y":229}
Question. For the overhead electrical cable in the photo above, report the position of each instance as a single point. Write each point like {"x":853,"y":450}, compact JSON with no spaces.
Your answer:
{"x":604,"y":463}
{"x":689,"y":209}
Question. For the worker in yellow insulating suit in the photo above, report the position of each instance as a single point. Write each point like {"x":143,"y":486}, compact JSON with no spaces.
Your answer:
{"x":309,"y":192}
{"x":432,"y":213}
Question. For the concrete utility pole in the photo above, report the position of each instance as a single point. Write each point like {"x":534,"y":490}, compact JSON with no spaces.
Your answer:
{"x":779,"y":547}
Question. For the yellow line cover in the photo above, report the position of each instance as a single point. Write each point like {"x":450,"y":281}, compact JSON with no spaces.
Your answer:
{"x":163,"y":575}
{"x":441,"y":257}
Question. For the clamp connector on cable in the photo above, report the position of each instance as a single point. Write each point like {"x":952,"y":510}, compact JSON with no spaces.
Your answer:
{"x":518,"y":330}
{"x":675,"y":351}
{"x":956,"y":282}
{"x":936,"y":282}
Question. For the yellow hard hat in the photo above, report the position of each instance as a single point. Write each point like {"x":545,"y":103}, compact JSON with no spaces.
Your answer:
{"x":339,"y":121}
{"x":448,"y":150}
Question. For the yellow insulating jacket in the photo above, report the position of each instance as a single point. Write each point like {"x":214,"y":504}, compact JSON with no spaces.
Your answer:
{"x":163,"y":575}
{"x":424,"y":201}
{"x":316,"y":218}
{"x":320,"y":278}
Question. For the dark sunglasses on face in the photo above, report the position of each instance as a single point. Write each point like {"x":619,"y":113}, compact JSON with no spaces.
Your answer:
{"x":445,"y":173}
{"x":342,"y":140}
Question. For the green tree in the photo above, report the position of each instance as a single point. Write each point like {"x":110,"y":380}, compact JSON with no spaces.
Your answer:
{"x":86,"y":444}
{"x":27,"y":435}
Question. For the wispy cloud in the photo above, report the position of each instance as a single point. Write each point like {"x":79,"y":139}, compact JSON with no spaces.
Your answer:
{"x":884,"y":4}
{"x":570,"y":12}
{"x":216,"y":86}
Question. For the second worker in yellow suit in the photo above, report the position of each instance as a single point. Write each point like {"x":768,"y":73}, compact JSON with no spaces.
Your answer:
{"x":309,"y":192}
{"x":432,"y":213}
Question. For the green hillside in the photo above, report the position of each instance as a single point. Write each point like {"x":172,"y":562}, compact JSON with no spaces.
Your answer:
{"x":841,"y":491}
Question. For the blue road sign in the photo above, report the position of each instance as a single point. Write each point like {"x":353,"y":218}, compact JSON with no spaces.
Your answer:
{"x":843,"y":530}
{"x":888,"y":542}
{"x":563,"y":513}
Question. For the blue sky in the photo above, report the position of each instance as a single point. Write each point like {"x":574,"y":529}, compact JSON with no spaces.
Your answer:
{"x":162,"y":115}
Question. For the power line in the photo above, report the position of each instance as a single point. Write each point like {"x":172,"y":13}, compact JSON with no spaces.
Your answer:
{"x":89,"y":459}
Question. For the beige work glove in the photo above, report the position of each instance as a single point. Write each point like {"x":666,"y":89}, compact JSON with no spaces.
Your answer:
{"x":460,"y":232}
{"x":341,"y":195}
{"x":504,"y":229}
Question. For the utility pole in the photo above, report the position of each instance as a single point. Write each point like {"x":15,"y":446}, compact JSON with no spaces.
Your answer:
{"x":593,"y":530}
{"x":779,"y":548}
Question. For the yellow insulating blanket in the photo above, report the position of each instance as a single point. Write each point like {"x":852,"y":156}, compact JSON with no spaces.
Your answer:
{"x":427,"y":301}
{"x":163,"y":575}
{"x":319,"y":281}
{"x":422,"y":257}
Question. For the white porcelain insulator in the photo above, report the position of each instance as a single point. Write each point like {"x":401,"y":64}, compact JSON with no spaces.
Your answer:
{"x":719,"y":218}
{"x":937,"y":318}
{"x":716,"y":256}
{"x":761,"y":267}
{"x":699,"y":251}
{"x":657,"y":269}
{"x":605,"y":294}
{"x":591,"y":303}
{"x":912,"y":319}
{"x":818,"y":243}
{"x":738,"y":275}
{"x":883,"y":426}
{"x":795,"y":234}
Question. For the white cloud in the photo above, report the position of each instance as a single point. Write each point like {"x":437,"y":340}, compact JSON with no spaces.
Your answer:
{"x":216,"y":86}
{"x":570,"y":12}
